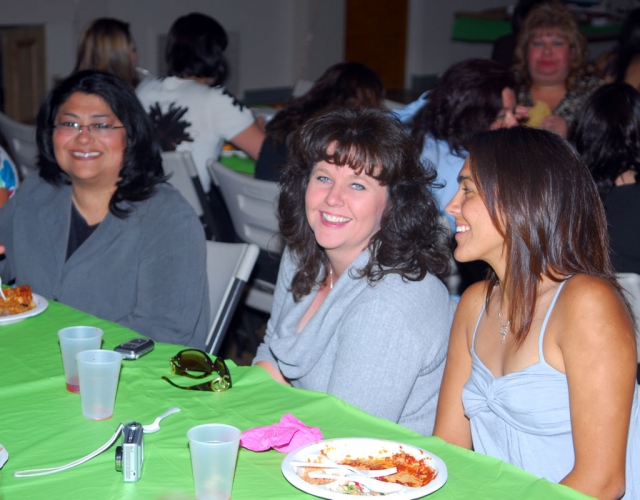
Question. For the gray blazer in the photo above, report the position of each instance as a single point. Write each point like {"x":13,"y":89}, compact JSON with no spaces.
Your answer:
{"x":146,"y":272}
{"x":381,"y":348}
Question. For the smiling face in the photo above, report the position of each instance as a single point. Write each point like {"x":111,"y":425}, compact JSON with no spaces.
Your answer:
{"x":477,"y":237}
{"x":549,"y":58}
{"x":344,"y":210}
{"x":506,"y":116}
{"x":86,"y":157}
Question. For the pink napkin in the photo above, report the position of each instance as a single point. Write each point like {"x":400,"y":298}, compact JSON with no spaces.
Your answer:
{"x":290,"y":434}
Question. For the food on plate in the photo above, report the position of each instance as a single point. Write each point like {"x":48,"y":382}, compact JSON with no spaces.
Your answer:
{"x":538,"y":113}
{"x":412,"y":472}
{"x":18,"y":300}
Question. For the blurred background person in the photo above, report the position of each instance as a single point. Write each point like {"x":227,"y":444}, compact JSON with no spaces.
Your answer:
{"x":551,"y":64}
{"x":107,"y":45}
{"x":190,"y":108}
{"x":349,"y":84}
{"x":358,"y":291}
{"x":99,"y":229}
{"x":606,"y":133}
{"x":505,"y":46}
{"x":471,"y":96}
{"x":623,"y":63}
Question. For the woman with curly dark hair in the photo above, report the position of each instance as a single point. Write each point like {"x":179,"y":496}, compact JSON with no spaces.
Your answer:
{"x":541,"y":364}
{"x":99,"y":229}
{"x":607,"y":135}
{"x":357,"y":291}
{"x":551,"y":63}
{"x":349,"y":84}
{"x":471,"y":96}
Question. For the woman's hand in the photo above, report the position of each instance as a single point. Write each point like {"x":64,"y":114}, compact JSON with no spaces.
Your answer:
{"x":556,"y":124}
{"x":522,"y":113}
{"x":273,"y":371}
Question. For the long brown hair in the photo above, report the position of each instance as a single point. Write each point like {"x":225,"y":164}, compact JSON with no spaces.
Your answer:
{"x":542,"y":199}
{"x":105,"y":46}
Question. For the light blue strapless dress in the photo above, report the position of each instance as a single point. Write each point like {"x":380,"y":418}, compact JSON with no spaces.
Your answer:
{"x":523,"y":418}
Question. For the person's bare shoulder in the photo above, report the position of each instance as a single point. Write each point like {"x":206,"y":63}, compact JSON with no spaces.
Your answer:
{"x":591,"y":307}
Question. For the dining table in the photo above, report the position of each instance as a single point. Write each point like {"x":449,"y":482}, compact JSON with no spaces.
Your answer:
{"x":41,"y":426}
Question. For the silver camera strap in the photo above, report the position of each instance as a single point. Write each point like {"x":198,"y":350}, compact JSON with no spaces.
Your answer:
{"x":53,"y":470}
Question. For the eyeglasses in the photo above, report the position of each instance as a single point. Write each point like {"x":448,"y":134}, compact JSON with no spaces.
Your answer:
{"x":95,"y":129}
{"x":188,"y":361}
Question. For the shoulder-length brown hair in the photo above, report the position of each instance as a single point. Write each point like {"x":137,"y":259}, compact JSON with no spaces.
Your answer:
{"x":409,"y":241}
{"x":542,"y":199}
{"x":557,"y":19}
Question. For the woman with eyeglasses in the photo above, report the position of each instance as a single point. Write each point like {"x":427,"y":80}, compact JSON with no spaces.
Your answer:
{"x":542,"y":361}
{"x":99,"y":229}
{"x":358,"y":310}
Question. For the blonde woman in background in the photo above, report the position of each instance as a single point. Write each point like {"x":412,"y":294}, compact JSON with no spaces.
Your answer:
{"x":107,"y":45}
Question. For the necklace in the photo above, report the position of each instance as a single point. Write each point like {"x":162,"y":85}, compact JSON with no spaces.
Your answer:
{"x":330,"y":277}
{"x":503,"y":328}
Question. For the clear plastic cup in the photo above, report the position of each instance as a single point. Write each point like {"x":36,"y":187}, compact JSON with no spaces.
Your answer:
{"x":73,"y":340}
{"x":98,"y":373}
{"x":214,"y":451}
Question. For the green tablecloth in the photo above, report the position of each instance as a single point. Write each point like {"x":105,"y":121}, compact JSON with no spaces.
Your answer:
{"x":240,"y":164}
{"x":41,"y":425}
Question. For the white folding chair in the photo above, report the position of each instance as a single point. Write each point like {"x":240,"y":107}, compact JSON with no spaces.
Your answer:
{"x":21,"y":140}
{"x":184,"y":177}
{"x":252,"y":206}
{"x":630,"y":283}
{"x":229,"y":266}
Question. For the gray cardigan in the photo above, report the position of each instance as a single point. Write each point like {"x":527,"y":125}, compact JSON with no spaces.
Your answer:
{"x":146,"y":272}
{"x":381,"y":348}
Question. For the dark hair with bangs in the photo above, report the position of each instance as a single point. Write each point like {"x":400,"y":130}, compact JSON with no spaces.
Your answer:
{"x":542,"y":199}
{"x":464,"y":101}
{"x":409,"y":240}
{"x":606,"y":132}
{"x":141,"y":165}
{"x":344,"y":84}
{"x":194,"y":47}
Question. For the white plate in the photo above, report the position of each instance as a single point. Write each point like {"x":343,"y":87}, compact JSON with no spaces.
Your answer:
{"x":338,"y":449}
{"x":41,"y":306}
{"x":4,"y":456}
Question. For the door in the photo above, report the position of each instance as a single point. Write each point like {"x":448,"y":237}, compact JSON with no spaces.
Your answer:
{"x":23,"y":72}
{"x":376,"y":36}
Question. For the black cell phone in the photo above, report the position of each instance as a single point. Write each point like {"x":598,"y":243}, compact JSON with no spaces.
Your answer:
{"x":134,"y":348}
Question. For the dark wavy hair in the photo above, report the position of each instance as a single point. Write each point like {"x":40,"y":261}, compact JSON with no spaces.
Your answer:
{"x":194,"y":47}
{"x":370,"y":141}
{"x":349,"y":84}
{"x":554,"y":18}
{"x":628,"y":46}
{"x":543,"y":201}
{"x":606,"y":133}
{"x":105,"y":46}
{"x":142,"y":164}
{"x":464,"y":101}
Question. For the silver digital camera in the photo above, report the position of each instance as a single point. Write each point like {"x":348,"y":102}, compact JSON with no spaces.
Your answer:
{"x":130,"y":455}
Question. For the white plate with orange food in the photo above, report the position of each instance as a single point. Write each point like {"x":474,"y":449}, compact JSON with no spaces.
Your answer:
{"x":20,"y":304}
{"x":419,"y":471}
